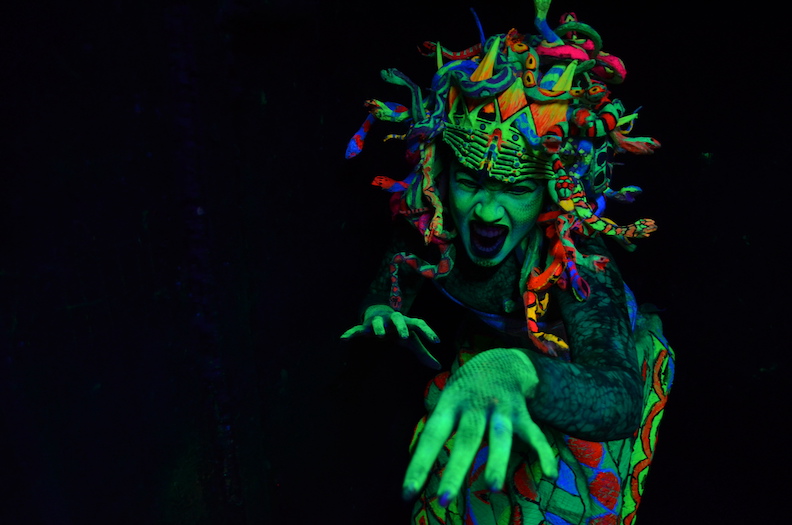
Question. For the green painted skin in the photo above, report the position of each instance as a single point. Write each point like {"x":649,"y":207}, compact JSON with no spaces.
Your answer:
{"x":481,"y":202}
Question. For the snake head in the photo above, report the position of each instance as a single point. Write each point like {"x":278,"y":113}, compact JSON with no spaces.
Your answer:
{"x":551,"y":144}
{"x":394,"y":76}
{"x":644,"y":227}
{"x":427,"y":49}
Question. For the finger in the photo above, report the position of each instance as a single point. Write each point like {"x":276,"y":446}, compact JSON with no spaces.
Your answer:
{"x":500,"y":442}
{"x":533,"y":435}
{"x":399,"y":323}
{"x":378,"y":325}
{"x":416,"y":346}
{"x":466,"y":443}
{"x":434,"y":435}
{"x":423,"y":328}
{"x":354,"y":331}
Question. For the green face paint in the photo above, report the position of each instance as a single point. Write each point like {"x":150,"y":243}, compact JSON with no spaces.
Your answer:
{"x":492,"y":217}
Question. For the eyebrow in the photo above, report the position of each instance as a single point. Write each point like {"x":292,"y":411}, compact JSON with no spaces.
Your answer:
{"x":481,"y":177}
{"x":477,"y":176}
{"x":529,"y":182}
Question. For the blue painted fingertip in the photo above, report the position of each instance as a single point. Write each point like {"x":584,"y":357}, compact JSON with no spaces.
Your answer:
{"x":445,"y":499}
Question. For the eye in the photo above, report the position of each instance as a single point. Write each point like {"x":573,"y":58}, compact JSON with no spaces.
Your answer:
{"x":467,"y":182}
{"x":595,"y":90}
{"x":522,"y":189}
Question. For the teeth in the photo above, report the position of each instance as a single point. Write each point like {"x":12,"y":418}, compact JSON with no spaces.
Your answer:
{"x":487,"y":239}
{"x":488,"y":231}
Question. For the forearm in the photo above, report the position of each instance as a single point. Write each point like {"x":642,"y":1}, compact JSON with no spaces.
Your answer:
{"x":409,"y":281}
{"x":596,"y":404}
{"x":598,"y":394}
{"x":379,"y":293}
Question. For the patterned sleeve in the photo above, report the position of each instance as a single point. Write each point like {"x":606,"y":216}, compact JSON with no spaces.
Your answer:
{"x":597,"y":395}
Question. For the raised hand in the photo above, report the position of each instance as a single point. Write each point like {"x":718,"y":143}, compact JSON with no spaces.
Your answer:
{"x":381,"y":319}
{"x":488,"y":393}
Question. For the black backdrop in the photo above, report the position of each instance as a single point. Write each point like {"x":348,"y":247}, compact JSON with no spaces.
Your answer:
{"x":183,"y":243}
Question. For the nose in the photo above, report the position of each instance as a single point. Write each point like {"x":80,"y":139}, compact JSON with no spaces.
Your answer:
{"x":488,"y":209}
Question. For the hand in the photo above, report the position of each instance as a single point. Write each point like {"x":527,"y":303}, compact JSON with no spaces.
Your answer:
{"x":487,"y":392}
{"x":380,"y":319}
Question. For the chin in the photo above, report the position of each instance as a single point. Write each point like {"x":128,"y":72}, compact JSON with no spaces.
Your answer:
{"x":484,"y":263}
{"x":478,"y":260}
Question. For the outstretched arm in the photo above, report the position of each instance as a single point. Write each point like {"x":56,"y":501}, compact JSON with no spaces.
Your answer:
{"x":596,"y":396}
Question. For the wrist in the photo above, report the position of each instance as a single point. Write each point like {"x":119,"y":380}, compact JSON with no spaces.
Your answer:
{"x":524,"y":371}
{"x":510,"y":365}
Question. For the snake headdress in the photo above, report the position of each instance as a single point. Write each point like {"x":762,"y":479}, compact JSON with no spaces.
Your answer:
{"x":518,"y":106}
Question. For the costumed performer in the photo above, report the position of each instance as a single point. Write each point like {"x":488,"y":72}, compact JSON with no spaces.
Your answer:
{"x":512,"y":153}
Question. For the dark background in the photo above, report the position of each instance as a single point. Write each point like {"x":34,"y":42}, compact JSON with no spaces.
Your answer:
{"x":183,"y":243}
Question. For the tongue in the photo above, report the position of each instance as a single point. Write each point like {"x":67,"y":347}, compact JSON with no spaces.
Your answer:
{"x":488,"y":239}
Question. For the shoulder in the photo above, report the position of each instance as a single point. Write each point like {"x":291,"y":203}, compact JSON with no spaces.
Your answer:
{"x":602,"y":288}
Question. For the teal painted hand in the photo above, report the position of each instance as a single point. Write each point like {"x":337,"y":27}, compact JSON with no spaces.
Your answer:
{"x":488,"y":393}
{"x":381,"y":319}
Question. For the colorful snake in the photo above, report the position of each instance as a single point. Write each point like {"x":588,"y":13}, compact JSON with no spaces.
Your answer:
{"x":427,"y":270}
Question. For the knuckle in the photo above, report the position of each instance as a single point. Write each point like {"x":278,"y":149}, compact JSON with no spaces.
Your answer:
{"x":500,"y":427}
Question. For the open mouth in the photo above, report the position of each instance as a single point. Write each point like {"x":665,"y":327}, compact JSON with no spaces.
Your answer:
{"x":486,"y":240}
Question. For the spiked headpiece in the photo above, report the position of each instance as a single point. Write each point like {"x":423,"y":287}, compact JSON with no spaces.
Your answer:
{"x":519,"y":106}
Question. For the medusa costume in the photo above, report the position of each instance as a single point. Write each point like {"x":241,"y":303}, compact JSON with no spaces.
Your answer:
{"x":512,"y":108}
